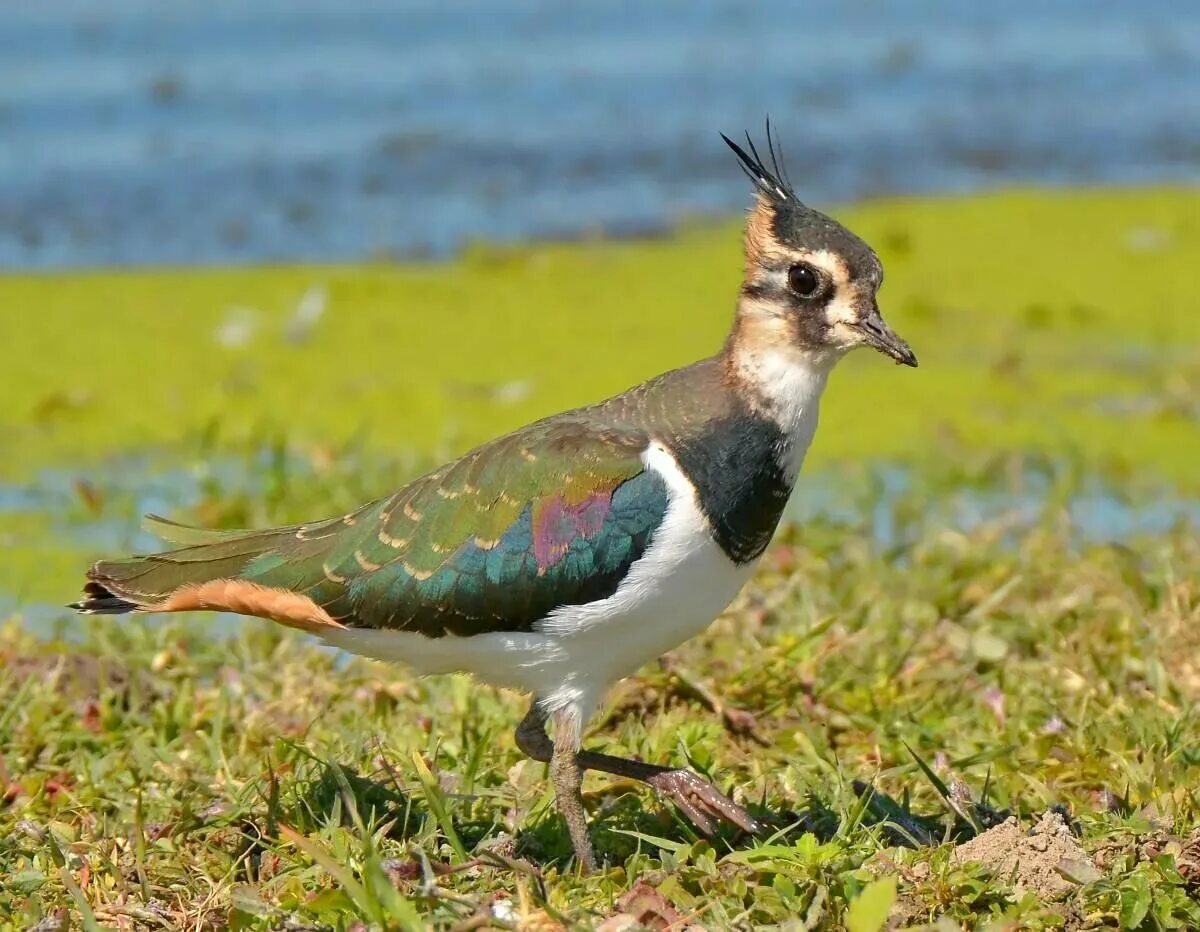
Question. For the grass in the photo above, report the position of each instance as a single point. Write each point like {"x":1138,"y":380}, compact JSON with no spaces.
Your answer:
{"x":167,"y":778}
{"x":878,"y":699}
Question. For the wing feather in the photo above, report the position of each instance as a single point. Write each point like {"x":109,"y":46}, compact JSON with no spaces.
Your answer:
{"x":552,"y":515}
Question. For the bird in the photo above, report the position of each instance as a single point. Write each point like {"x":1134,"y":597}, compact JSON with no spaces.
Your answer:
{"x":558,"y":559}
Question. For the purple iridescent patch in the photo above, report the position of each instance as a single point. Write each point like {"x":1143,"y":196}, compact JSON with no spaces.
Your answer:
{"x":556,"y":524}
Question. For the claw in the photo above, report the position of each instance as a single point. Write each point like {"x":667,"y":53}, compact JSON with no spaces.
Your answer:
{"x":700,"y":801}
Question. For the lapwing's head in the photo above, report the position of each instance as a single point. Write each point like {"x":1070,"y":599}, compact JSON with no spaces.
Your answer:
{"x":810,"y":284}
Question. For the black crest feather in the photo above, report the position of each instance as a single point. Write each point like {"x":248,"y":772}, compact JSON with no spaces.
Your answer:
{"x":773,"y":181}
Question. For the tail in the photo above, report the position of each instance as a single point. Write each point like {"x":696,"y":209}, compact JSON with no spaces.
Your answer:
{"x":263,"y":573}
{"x":97,"y":600}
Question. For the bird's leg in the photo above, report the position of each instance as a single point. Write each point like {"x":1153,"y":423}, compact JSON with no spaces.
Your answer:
{"x":696,"y":798}
{"x":568,"y":780}
{"x":562,"y":754}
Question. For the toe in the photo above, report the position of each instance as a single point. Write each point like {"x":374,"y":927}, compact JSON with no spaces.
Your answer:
{"x":731,"y":812}
{"x":701,"y":802}
{"x":694,"y":814}
{"x":720,"y":805}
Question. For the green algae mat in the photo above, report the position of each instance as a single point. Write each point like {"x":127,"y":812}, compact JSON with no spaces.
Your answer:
{"x":1063,"y":321}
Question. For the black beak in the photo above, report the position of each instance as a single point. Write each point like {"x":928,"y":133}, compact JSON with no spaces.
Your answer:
{"x":879,"y":335}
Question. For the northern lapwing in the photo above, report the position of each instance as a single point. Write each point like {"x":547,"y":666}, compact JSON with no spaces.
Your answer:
{"x":560,"y":558}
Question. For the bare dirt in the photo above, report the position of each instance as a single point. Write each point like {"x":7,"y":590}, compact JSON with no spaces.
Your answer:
{"x":1045,"y":860}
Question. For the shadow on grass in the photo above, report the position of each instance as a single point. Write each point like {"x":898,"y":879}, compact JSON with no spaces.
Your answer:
{"x":330,"y":792}
{"x":629,"y":821}
{"x":307,"y":794}
{"x":327,"y":792}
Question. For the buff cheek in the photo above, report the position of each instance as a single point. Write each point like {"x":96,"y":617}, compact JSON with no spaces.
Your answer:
{"x":841,"y":312}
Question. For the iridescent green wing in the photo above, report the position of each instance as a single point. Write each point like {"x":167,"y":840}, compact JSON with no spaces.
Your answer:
{"x":550,"y":516}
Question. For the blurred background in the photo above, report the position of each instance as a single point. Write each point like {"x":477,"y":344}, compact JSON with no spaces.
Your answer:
{"x":264,"y":260}
{"x":145,"y":133}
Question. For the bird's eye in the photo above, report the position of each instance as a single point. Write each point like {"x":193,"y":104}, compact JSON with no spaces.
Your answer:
{"x":803,"y":280}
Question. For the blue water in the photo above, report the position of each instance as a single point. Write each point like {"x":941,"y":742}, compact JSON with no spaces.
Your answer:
{"x":869,"y":497}
{"x":181,"y":131}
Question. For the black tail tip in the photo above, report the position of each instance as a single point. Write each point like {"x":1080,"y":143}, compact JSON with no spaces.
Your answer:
{"x":97,"y":600}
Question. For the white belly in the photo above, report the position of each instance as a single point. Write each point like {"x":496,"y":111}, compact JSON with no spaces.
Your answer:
{"x":678,"y":586}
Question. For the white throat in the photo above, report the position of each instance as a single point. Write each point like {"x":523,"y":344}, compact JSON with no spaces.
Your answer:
{"x":785,"y":385}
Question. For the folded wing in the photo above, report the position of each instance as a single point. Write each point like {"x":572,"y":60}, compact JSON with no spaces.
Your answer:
{"x":553,"y":515}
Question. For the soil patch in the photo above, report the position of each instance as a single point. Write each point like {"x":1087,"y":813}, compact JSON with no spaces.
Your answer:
{"x":1041,"y":860}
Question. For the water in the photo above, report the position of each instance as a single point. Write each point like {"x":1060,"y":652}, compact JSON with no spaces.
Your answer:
{"x":895,"y":507}
{"x":222,"y":131}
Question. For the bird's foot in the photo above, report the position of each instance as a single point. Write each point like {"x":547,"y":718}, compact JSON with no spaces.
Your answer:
{"x":700,"y":801}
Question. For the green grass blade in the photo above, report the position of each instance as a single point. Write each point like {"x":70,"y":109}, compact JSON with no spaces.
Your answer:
{"x":436,"y":801}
